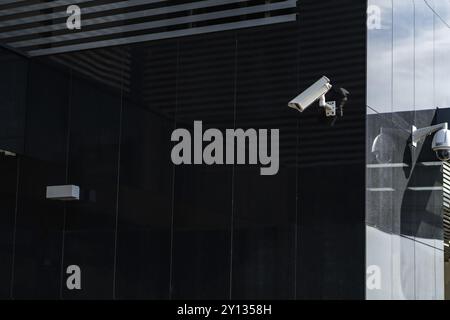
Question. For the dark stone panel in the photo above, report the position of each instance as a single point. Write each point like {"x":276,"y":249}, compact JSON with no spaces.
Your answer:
{"x":13,"y":87}
{"x":153,"y":76}
{"x":93,"y":165}
{"x":265,"y":206}
{"x":8,"y":187}
{"x":264,"y":235}
{"x":201,"y":252}
{"x":146,"y":175}
{"x":331,"y":179}
{"x":202,"y":199}
{"x":145,"y":206}
{"x":37,"y":270}
{"x":331,"y":233}
{"x":47,"y":114}
{"x":235,"y":233}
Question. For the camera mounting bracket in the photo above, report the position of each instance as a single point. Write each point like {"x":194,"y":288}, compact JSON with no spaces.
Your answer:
{"x":330,"y":106}
{"x":419,"y":134}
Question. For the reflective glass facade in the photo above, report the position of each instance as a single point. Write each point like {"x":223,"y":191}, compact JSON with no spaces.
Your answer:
{"x":407,"y":84}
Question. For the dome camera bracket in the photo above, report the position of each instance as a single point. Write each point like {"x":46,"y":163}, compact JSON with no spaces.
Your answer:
{"x":419,"y":134}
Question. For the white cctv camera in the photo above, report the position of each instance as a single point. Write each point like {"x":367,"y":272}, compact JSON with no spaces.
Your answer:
{"x":315,"y":92}
{"x":441,"y":140}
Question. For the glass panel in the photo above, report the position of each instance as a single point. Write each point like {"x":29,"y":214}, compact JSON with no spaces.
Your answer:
{"x":39,"y":234}
{"x":93,"y":165}
{"x":379,"y":56}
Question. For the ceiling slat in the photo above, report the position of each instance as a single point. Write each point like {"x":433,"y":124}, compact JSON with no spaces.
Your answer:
{"x":120,"y":22}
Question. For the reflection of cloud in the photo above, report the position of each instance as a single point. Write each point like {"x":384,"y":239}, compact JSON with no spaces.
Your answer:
{"x":415,"y":51}
{"x":442,"y":8}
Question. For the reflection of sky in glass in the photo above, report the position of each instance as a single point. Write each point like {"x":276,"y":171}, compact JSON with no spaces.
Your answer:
{"x":408,"y":70}
{"x":379,"y":60}
{"x":401,"y":56}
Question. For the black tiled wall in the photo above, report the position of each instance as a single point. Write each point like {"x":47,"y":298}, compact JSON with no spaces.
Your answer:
{"x":146,"y":229}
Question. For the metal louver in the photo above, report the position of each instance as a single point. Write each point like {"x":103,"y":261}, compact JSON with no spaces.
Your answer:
{"x":446,"y":207}
{"x":38,"y":27}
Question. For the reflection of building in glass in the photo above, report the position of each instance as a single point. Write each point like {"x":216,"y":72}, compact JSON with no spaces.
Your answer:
{"x":406,"y":86}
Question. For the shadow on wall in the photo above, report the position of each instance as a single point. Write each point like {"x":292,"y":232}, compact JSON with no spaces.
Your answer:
{"x":415,"y":177}
{"x":421,"y":215}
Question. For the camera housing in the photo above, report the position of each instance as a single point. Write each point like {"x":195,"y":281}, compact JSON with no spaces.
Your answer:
{"x":441,"y":140}
{"x":379,"y":148}
{"x":315,"y":92}
{"x":441,"y":144}
{"x":387,"y":146}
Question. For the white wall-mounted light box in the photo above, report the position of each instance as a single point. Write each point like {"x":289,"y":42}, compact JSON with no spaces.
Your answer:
{"x":63,"y":193}
{"x":7,"y":153}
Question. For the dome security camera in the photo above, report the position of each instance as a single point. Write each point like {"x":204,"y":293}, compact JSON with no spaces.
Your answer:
{"x":441,"y":144}
{"x":381,"y":156}
{"x":441,"y":140}
{"x":387,"y":146}
{"x":382,"y":147}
